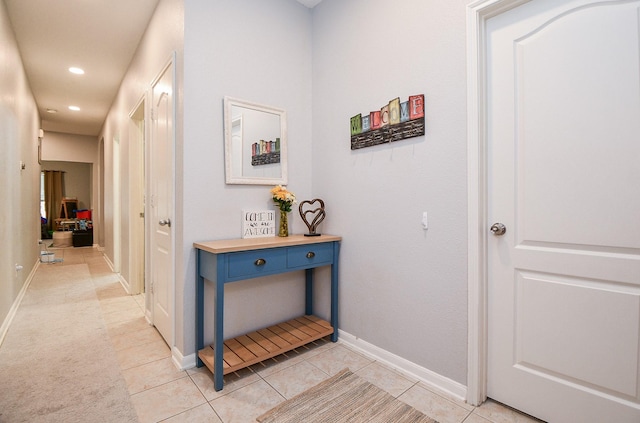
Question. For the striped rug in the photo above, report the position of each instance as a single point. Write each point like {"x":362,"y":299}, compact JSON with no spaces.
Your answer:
{"x":344,"y":397}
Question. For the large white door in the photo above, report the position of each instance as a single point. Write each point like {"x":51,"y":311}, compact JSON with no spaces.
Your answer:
{"x":563,"y":133}
{"x":162,"y":198}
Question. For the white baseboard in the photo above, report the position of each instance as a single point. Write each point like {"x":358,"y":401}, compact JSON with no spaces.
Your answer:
{"x":183,"y":362}
{"x":16,"y":303}
{"x":124,"y":283}
{"x":121,"y":279}
{"x":402,"y":365}
{"x":147,"y":316}
{"x":109,"y":263}
{"x":411,"y":370}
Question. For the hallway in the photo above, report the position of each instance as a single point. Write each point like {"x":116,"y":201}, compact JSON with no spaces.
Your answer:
{"x":113,"y":366}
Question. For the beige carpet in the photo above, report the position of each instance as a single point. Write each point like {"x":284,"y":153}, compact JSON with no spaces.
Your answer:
{"x":344,"y":397}
{"x":56,"y":362}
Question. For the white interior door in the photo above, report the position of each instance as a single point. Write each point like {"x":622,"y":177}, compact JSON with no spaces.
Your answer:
{"x":563,"y":80}
{"x":162,"y":205}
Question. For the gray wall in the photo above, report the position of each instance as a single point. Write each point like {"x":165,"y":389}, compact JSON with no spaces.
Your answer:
{"x":403,"y":289}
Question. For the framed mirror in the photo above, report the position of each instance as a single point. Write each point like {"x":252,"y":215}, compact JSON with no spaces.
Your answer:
{"x":255,"y":138}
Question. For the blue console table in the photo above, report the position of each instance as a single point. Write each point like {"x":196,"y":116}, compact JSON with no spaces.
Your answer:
{"x":226,"y":261}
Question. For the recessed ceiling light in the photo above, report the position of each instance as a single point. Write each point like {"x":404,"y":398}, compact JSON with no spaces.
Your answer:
{"x":77,"y":71}
{"x":74,"y":108}
{"x":52,"y":111}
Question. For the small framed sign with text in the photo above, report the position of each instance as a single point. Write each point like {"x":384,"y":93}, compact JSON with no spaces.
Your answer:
{"x":258,"y":223}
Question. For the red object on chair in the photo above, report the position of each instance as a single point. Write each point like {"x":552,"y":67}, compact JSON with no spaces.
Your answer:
{"x":83,"y":214}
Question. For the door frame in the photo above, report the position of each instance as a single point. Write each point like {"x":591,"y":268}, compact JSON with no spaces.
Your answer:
{"x":137,"y":154}
{"x":478,"y":12}
{"x":98,"y":218}
{"x":117,"y":205}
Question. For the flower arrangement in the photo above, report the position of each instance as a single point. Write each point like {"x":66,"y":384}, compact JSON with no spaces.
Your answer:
{"x":283,"y":198}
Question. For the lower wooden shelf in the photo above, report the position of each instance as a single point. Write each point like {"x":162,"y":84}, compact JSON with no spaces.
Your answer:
{"x":254,"y":347}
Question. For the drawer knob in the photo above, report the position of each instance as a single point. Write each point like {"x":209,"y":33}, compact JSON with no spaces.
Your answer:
{"x":260,"y":262}
{"x":311,"y":254}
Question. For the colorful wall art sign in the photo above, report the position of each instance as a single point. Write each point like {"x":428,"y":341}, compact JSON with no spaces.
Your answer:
{"x":393,"y":122}
{"x":265,"y":152}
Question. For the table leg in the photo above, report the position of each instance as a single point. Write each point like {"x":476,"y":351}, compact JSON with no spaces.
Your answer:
{"x":199,"y":309}
{"x":218,"y":346}
{"x":334,"y":292}
{"x":308,"y":292}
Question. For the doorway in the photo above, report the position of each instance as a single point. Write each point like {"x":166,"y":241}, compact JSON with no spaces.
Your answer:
{"x":137,"y":190}
{"x":100,"y":233}
{"x":117,"y":190}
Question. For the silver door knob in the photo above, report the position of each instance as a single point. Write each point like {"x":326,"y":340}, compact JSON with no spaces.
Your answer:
{"x":498,"y":229}
{"x":165,"y":222}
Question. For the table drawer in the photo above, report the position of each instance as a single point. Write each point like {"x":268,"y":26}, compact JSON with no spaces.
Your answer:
{"x":310,"y":255}
{"x":257,"y":263}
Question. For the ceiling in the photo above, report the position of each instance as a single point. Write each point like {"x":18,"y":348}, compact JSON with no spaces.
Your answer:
{"x":99,"y":36}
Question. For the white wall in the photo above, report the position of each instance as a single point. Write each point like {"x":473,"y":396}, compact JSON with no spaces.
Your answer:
{"x":19,"y":189}
{"x":403,"y":289}
{"x":61,"y":147}
{"x":258,"y":51}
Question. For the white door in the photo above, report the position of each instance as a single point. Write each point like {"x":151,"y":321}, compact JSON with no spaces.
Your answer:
{"x":563,"y":131}
{"x":162,"y":198}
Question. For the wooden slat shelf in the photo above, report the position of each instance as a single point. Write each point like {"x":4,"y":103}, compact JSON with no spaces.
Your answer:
{"x":254,"y":347}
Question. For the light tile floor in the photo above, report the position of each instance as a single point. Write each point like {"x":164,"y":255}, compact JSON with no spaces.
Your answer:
{"x":162,"y":393}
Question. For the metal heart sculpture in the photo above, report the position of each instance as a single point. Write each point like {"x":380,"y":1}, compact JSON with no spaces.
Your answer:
{"x":317,"y":213}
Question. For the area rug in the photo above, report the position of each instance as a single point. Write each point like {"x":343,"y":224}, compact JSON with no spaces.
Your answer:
{"x":344,"y":397}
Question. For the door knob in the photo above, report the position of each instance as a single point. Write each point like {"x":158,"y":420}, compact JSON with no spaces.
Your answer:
{"x":165,"y":222}
{"x":498,"y":229}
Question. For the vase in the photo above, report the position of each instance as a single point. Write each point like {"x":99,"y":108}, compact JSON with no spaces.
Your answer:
{"x":283,"y":230}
